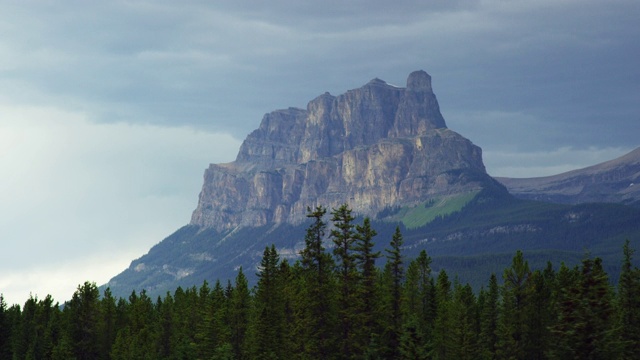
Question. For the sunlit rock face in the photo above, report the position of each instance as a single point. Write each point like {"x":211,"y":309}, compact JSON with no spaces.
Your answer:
{"x":374,"y":147}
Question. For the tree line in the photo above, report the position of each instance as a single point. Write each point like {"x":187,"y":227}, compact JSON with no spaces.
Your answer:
{"x":339,"y":304}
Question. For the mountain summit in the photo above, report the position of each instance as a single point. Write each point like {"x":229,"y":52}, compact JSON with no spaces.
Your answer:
{"x":375,"y":147}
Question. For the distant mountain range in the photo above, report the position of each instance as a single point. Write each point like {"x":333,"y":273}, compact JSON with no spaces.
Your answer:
{"x":615,"y":181}
{"x":387,"y":153}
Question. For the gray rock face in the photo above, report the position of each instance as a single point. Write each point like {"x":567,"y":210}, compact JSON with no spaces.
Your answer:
{"x":373,"y":147}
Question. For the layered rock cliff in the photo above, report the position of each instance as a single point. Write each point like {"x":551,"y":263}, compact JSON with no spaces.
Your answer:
{"x":375,"y":147}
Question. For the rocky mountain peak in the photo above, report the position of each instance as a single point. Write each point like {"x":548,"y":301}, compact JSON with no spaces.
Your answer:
{"x":419,"y":81}
{"x":375,"y":147}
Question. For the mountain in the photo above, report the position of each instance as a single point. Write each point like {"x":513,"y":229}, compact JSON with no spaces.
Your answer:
{"x":375,"y":147}
{"x":387,"y":153}
{"x":615,"y":181}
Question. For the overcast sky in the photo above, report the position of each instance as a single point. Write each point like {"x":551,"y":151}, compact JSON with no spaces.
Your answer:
{"x":111,"y":110}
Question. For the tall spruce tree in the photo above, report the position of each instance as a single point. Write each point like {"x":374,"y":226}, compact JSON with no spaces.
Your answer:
{"x":395,"y":276}
{"x":465,"y":324}
{"x":5,"y":330}
{"x":165,"y":325}
{"x":442,"y":341}
{"x":344,"y":239}
{"x":318,"y":300}
{"x":516,"y":292}
{"x":107,"y":326}
{"x":489,"y":320}
{"x":595,"y":313}
{"x":412,"y":341}
{"x":584,"y":327}
{"x":84,"y":310}
{"x":564,"y":305}
{"x":269,"y":308}
{"x":239,"y":311}
{"x":214,"y":332}
{"x":540,"y":314}
{"x":289,"y":284}
{"x":418,"y":295}
{"x":187,"y":320}
{"x":628,"y":305}
{"x":367,"y":290}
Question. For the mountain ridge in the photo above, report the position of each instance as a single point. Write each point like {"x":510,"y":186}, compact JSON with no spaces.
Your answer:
{"x":616,"y":180}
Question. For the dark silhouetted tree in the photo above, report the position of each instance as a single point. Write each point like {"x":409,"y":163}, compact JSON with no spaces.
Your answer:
{"x":394,"y":270}
{"x":628,"y":305}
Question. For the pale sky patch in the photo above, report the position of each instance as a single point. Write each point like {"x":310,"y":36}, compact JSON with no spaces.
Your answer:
{"x":78,"y":189}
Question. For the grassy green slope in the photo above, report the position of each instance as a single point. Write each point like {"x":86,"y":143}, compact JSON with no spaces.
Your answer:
{"x":421,"y":214}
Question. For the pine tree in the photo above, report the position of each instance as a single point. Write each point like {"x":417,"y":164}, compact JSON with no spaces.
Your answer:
{"x":512,"y":328}
{"x":367,"y":290}
{"x":313,"y":255}
{"x":317,"y":299}
{"x":84,"y":310}
{"x":628,"y":305}
{"x":107,"y":326}
{"x":419,"y":296}
{"x":465,"y":324}
{"x":300,"y":342}
{"x":63,"y":349}
{"x":344,"y":238}
{"x":540,"y":315}
{"x":239,"y":316}
{"x":442,"y":341}
{"x":563,"y":298}
{"x":395,"y":276}
{"x":5,"y":330}
{"x":289,"y":284}
{"x":166,"y":327}
{"x":269,"y":308}
{"x":584,"y":327}
{"x":50,"y":317}
{"x":31,"y":316}
{"x":594,"y":325}
{"x":489,"y":320}
{"x":140,"y":341}
{"x":187,"y":318}
{"x":418,"y":301}
{"x":214,"y":330}
{"x":412,"y":341}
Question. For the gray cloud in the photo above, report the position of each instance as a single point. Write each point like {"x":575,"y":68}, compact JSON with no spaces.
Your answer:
{"x":221,"y":66}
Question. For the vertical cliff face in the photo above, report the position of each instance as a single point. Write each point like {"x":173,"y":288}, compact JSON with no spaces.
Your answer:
{"x":373,"y":147}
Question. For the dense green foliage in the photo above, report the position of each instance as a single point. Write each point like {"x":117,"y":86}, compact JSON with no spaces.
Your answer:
{"x":340,"y":305}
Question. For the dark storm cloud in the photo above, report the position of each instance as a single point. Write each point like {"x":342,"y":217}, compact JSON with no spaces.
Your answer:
{"x":221,"y":65}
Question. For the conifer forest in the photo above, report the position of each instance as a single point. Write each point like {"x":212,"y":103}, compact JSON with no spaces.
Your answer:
{"x":342,"y":300}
